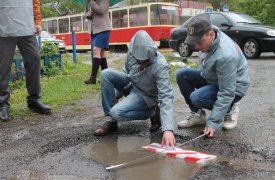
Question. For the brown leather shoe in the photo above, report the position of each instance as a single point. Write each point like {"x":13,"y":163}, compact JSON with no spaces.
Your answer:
{"x":155,"y":121}
{"x":106,"y":128}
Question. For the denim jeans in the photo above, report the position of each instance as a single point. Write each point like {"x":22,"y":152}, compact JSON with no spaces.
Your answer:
{"x":132,"y":107}
{"x":197,"y":92}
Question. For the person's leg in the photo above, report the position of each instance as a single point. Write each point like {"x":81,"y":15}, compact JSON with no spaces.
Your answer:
{"x":95,"y":65}
{"x":100,"y":43}
{"x":204,"y":97}
{"x":103,"y":61}
{"x":231,"y":118}
{"x":155,"y":120}
{"x":29,"y":50}
{"x":112,"y":80}
{"x":96,"y":60}
{"x":188,"y":80}
{"x":192,"y":83}
{"x":104,"y":39}
{"x":132,"y":107}
{"x":7,"y":48}
{"x":201,"y":98}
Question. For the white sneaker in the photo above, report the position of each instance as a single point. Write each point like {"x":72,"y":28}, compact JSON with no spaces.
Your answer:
{"x":231,"y":118}
{"x":193,"y":119}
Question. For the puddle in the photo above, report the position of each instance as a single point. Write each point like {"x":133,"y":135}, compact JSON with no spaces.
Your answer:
{"x":39,"y":175}
{"x":125,"y":149}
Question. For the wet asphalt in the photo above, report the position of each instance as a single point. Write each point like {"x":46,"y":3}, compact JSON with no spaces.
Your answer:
{"x":55,"y":146}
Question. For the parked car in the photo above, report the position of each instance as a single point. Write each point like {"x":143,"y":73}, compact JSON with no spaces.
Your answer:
{"x":46,"y":36}
{"x":252,"y":37}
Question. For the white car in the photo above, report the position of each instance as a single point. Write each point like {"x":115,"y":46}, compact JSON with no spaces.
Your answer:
{"x":45,"y":36}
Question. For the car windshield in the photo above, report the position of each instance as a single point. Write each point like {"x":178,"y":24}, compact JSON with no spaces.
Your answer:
{"x":45,"y":34}
{"x":243,"y":18}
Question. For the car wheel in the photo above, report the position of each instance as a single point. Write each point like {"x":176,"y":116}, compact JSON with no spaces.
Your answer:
{"x":184,"y":50}
{"x":251,"y":48}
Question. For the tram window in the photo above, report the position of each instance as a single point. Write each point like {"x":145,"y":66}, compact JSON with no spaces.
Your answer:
{"x":52,"y":26}
{"x":76,"y":22}
{"x":164,"y":15}
{"x":85,"y":23}
{"x":138,"y":17}
{"x":119,"y":18}
{"x":63,"y":25}
{"x":44,"y":25}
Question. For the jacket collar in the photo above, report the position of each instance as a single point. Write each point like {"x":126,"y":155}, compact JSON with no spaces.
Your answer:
{"x":216,"y":41}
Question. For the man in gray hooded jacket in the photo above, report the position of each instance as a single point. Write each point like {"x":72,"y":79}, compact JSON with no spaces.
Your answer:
{"x":145,"y":83}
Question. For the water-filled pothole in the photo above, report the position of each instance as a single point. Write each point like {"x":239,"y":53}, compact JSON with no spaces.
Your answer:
{"x":119,"y":150}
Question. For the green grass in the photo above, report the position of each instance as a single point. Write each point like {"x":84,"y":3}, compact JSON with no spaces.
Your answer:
{"x":65,"y":88}
{"x":169,"y":58}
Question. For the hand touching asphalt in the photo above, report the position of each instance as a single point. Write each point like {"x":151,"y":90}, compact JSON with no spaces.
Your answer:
{"x":209,"y":132}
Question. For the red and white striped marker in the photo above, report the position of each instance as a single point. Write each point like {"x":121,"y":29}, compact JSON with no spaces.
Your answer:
{"x":185,"y":154}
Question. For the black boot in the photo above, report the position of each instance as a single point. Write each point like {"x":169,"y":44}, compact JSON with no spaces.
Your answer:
{"x":106,"y":129}
{"x":155,"y":120}
{"x":95,"y":67}
{"x":4,"y":113}
{"x":103,"y":63}
{"x":39,"y":107}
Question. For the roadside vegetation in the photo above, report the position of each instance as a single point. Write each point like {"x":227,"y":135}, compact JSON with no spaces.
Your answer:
{"x":60,"y":89}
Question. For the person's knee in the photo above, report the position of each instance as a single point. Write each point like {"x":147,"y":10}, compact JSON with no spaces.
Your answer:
{"x":97,"y":52}
{"x":181,"y":74}
{"x":32,"y":62}
{"x":116,"y":113}
{"x":105,"y":74}
{"x":195,"y":99}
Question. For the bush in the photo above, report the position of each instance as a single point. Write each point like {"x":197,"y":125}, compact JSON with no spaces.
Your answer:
{"x":52,"y":58}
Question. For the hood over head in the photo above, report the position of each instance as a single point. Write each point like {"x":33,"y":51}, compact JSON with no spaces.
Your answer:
{"x":142,"y":47}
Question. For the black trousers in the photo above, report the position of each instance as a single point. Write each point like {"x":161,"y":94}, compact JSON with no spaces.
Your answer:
{"x":29,"y":50}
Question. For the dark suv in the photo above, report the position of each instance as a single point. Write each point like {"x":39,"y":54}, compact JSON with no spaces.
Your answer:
{"x":247,"y":32}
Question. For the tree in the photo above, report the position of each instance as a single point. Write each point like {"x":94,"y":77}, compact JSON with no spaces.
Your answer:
{"x":51,"y":8}
{"x":262,"y":10}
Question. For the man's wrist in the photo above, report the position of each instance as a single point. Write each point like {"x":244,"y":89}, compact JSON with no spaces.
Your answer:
{"x":168,"y":130}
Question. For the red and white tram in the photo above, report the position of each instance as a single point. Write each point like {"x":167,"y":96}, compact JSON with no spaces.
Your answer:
{"x":155,"y":18}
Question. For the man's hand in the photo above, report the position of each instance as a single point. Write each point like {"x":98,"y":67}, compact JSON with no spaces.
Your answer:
{"x":168,"y":138}
{"x":209,"y":132}
{"x":37,"y":30}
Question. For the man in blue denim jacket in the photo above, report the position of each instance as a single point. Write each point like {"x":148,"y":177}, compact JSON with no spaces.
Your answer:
{"x":145,"y":83}
{"x":221,"y":81}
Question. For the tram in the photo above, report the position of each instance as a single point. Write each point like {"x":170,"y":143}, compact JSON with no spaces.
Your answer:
{"x":157,"y":19}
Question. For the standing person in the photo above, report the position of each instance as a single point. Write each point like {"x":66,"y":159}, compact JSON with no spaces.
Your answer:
{"x":19,"y":21}
{"x":100,"y":34}
{"x":220,"y":83}
{"x":145,"y":82}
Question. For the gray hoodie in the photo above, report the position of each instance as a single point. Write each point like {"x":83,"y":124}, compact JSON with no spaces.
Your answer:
{"x":153,"y":83}
{"x":16,"y":18}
